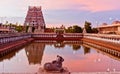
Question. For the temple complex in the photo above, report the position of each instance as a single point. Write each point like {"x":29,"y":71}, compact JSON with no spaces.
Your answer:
{"x":34,"y":20}
{"x":4,"y":28}
{"x":7,"y":28}
{"x":114,"y":28}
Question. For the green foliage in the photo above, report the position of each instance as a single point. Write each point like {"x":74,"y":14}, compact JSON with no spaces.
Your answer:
{"x":69,"y":30}
{"x":77,"y":29}
{"x":87,"y":26}
{"x":74,"y":29}
{"x":94,"y":30}
{"x":19,"y":28}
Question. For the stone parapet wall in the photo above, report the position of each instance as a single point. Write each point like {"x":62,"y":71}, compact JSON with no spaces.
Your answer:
{"x":9,"y":47}
{"x":13,"y":37}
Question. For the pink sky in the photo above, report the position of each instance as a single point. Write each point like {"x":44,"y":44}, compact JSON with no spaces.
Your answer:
{"x":91,"y":5}
{"x":57,"y":8}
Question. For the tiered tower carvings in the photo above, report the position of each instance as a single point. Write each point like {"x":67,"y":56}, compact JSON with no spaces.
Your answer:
{"x":34,"y":20}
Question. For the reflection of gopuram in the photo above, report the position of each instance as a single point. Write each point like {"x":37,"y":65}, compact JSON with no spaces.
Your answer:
{"x":34,"y":52}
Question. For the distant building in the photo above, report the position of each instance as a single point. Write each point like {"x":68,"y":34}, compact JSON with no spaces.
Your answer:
{"x":110,"y":29}
{"x":60,"y":30}
{"x":34,"y":20}
{"x":6,"y":28}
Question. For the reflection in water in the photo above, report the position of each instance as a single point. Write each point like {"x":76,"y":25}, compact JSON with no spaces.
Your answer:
{"x":35,"y":52}
{"x":76,"y":47}
{"x":86,"y":50}
{"x":114,"y":54}
{"x":9,"y":56}
{"x":59,"y":44}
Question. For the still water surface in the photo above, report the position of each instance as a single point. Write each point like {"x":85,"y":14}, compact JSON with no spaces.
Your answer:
{"x":78,"y":58}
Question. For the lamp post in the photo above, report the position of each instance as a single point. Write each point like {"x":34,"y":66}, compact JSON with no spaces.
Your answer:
{"x":97,"y":23}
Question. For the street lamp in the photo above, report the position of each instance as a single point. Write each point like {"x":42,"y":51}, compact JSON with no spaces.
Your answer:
{"x":97,"y":26}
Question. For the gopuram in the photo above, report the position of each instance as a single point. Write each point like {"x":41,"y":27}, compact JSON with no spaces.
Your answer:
{"x":34,"y":21}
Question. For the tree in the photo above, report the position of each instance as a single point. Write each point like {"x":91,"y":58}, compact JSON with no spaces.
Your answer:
{"x":77,"y":29}
{"x":19,"y":28}
{"x":87,"y":26}
{"x":74,"y":29}
{"x":95,"y":30}
{"x":69,"y":30}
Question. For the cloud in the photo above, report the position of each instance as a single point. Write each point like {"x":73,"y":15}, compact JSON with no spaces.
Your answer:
{"x":64,"y":11}
{"x":98,"y":5}
{"x":90,"y":5}
{"x":87,"y":5}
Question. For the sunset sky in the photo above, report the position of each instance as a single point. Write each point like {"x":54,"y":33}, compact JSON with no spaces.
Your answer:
{"x":67,"y":12}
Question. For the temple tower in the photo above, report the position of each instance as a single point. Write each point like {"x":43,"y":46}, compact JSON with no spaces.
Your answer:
{"x":34,"y":20}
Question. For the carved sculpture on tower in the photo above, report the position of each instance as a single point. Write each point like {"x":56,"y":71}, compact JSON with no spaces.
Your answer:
{"x":34,"y":21}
